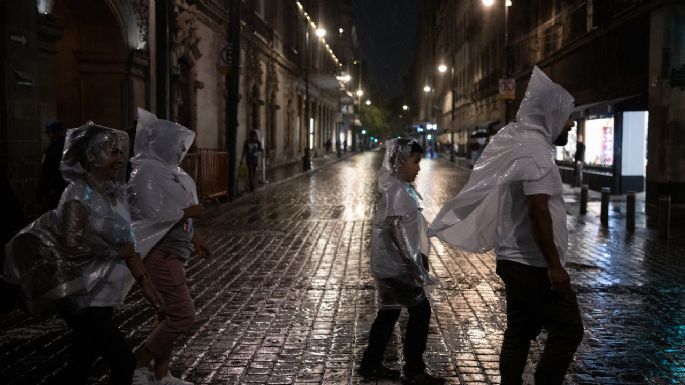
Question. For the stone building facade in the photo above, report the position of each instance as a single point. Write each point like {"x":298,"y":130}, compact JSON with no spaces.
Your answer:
{"x":623,"y":60}
{"x":80,"y":60}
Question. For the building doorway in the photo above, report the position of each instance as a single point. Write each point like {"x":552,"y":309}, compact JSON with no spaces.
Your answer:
{"x":90,"y":65}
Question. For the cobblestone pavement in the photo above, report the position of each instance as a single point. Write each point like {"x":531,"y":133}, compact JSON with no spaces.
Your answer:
{"x":288,"y":298}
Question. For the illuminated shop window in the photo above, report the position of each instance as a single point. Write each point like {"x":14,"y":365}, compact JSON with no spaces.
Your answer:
{"x":566,"y":153}
{"x":599,"y":142}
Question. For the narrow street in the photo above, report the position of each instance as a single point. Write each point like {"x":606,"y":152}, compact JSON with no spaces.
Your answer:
{"x":288,"y":297}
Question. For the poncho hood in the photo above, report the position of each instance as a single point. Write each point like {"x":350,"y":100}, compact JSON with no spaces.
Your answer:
{"x":521,"y":151}
{"x":159,"y":189}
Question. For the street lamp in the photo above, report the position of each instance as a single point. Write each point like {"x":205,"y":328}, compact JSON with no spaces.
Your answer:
{"x":360,"y":93}
{"x":507,"y":4}
{"x":426,"y":88}
{"x":443,"y":68}
{"x":405,"y":107}
{"x":343,"y":78}
{"x":368,"y":102}
{"x":306,"y":159}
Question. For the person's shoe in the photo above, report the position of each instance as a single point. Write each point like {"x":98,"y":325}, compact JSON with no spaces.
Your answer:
{"x":422,"y":379}
{"x":380,"y":372}
{"x":171,"y":380}
{"x":142,"y":376}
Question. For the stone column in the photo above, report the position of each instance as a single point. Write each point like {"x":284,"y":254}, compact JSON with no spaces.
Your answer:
{"x":666,"y":135}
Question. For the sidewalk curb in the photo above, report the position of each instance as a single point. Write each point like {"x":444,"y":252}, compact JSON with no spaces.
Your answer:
{"x":445,"y":159}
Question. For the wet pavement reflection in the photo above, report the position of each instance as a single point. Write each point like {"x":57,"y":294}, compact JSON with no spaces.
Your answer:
{"x":288,"y":297}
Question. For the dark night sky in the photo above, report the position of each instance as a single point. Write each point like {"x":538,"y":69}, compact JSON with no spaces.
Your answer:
{"x":386,"y":34}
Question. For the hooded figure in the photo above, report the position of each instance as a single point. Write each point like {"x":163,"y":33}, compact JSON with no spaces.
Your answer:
{"x":521,"y":151}
{"x":159,"y":189}
{"x":399,"y":198}
{"x":164,"y":202}
{"x":513,"y":201}
{"x":399,"y":262}
{"x":73,"y":251}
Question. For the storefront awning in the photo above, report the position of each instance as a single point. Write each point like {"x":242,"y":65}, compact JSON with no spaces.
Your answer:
{"x":599,"y":108}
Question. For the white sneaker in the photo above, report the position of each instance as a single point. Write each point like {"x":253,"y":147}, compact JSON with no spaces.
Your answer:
{"x":143,"y":376}
{"x":171,"y":380}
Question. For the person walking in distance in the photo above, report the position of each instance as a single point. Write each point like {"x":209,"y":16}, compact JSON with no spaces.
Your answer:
{"x":579,"y":158}
{"x":399,"y":263}
{"x":252,"y":150}
{"x":513,"y":203}
{"x":51,"y":184}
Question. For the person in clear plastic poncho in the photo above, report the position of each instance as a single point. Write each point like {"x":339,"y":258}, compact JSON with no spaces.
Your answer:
{"x":399,"y":262}
{"x":74,"y":258}
{"x":513,"y":203}
{"x":164,"y":202}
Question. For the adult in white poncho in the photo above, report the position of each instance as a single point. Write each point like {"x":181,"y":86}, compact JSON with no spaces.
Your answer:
{"x":399,"y":262}
{"x":163,"y":201}
{"x":74,"y":258}
{"x":513,"y":203}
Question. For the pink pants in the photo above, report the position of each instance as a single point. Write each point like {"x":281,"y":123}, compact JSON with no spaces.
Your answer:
{"x":168,"y":274}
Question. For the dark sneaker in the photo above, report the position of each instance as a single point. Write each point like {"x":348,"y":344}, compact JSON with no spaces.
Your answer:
{"x":378,"y":373}
{"x":422,"y":379}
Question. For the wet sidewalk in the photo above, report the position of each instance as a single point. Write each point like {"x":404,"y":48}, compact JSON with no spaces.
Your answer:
{"x":288,"y":297}
{"x":283,"y":172}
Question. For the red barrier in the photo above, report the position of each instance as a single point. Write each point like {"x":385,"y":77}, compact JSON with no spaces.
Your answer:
{"x":209,"y":169}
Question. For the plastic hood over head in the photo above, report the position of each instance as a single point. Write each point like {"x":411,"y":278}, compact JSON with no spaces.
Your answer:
{"x":521,"y":151}
{"x":397,"y":153}
{"x":545,"y":108}
{"x":159,"y":189}
{"x":69,"y":251}
{"x":83,"y":147}
{"x":161,"y":140}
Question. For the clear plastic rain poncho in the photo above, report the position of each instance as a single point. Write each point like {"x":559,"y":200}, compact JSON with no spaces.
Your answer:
{"x":398,"y":198}
{"x":72,"y":251}
{"x":159,"y":189}
{"x":521,"y":151}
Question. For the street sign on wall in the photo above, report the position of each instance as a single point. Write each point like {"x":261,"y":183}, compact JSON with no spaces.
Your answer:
{"x":507,"y":89}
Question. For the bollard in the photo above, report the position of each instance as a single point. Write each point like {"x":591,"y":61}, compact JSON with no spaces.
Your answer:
{"x":583,"y":199}
{"x":630,"y":211}
{"x":664,"y":217}
{"x":604,"y":215}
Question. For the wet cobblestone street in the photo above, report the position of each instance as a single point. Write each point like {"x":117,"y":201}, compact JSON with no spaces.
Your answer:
{"x":288,"y":297}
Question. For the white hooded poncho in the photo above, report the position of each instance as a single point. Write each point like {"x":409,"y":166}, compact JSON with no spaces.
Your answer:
{"x":159,"y":189}
{"x":521,"y":151}
{"x":398,"y":198}
{"x":72,"y":252}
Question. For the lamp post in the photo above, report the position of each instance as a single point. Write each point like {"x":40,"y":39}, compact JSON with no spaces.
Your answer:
{"x":507,"y":4}
{"x":427,"y":90}
{"x":442,"y":68}
{"x":306,"y":159}
{"x":359,"y":94}
{"x":343,"y":79}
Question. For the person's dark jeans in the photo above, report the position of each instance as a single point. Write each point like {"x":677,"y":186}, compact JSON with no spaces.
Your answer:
{"x":414,"y":342}
{"x":251,"y":174}
{"x":94,"y":334}
{"x":532,"y":305}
